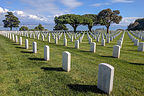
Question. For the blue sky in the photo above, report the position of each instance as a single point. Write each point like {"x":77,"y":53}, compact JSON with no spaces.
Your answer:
{"x":45,"y":10}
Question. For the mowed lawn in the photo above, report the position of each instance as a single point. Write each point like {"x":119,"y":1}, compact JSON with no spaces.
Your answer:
{"x":23,"y":73}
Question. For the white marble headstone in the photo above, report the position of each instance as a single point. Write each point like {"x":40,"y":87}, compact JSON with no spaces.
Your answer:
{"x":34,"y":47}
{"x":105,"y":77}
{"x":46,"y":53}
{"x":66,"y":61}
{"x":116,"y":51}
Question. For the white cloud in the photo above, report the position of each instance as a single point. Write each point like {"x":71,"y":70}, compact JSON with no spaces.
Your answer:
{"x":127,"y":20}
{"x":20,"y":13}
{"x":2,"y":10}
{"x":47,"y":7}
{"x":111,"y":2}
{"x":71,"y":3}
{"x":122,"y":1}
{"x":23,"y":16}
{"x":96,"y":4}
{"x":99,"y":4}
{"x":42,"y":7}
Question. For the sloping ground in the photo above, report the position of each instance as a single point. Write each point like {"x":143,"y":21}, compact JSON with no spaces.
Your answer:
{"x":27,"y":74}
{"x":137,"y":25}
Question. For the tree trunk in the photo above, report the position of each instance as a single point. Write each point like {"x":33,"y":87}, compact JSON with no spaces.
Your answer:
{"x":107,"y":29}
{"x":90,"y":27}
{"x":75,"y":27}
{"x":10,"y":28}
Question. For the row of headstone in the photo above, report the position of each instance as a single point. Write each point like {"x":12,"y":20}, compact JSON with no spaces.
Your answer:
{"x":137,"y":43}
{"x":97,"y":35}
{"x":105,"y":71}
{"x":138,"y":34}
{"x":81,"y":38}
{"x":70,"y":35}
{"x":89,"y":38}
{"x":56,"y":39}
{"x":92,"y":47}
{"x":116,"y":48}
{"x":56,"y":36}
{"x":120,"y":41}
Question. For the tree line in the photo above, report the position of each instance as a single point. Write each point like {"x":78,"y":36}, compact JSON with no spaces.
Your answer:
{"x":105,"y":17}
{"x":37,"y":28}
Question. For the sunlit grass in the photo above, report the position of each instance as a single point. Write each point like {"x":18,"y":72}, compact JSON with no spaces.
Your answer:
{"x":25,"y":73}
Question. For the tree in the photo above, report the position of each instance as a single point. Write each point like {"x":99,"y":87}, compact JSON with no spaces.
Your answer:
{"x":11,"y":21}
{"x":107,"y":17}
{"x":72,"y":19}
{"x":90,"y":20}
{"x":31,"y":30}
{"x":39,"y":28}
{"x":24,"y":28}
{"x":60,"y":27}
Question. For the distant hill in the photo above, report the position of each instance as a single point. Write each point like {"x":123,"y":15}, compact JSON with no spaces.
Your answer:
{"x":137,"y":25}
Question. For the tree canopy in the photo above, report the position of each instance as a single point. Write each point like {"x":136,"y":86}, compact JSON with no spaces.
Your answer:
{"x":24,"y":28}
{"x":90,"y":20}
{"x":39,"y":28}
{"x":60,"y":27}
{"x":72,"y":19}
{"x":107,"y":17}
{"x":11,"y":21}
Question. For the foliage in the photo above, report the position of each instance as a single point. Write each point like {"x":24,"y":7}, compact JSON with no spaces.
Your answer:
{"x":72,"y":19}
{"x":11,"y":21}
{"x":60,"y":27}
{"x":31,"y":30}
{"x":90,"y":20}
{"x":107,"y":17}
{"x":39,"y":28}
{"x":137,"y":25}
{"x":23,"y":28}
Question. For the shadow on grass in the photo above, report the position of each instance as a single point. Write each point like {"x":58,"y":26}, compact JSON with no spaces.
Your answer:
{"x":15,"y":44}
{"x":52,"y":69}
{"x":51,"y":43}
{"x":130,"y":45}
{"x":59,"y":45}
{"x":70,"y":47}
{"x":20,"y":47}
{"x":85,"y":88}
{"x":39,"y":59}
{"x":26,"y":52}
{"x":84,"y":51}
{"x":137,"y":64}
{"x":108,"y":56}
{"x":133,"y":50}
{"x":109,"y":47}
{"x":98,"y":45}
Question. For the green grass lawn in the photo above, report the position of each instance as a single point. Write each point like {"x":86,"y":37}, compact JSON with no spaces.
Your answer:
{"x":23,"y":73}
